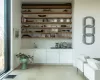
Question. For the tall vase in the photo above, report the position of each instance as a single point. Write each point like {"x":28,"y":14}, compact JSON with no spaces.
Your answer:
{"x":24,"y":63}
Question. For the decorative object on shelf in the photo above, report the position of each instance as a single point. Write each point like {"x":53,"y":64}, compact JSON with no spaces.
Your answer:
{"x":65,"y":10}
{"x":23,"y":30}
{"x":43,"y":35}
{"x":68,"y":20}
{"x":40,"y":31}
{"x":24,"y":10}
{"x":45,"y":26}
{"x":45,"y":20}
{"x":88,"y":26}
{"x":65,"y":30}
{"x":26,"y":26}
{"x":55,"y":20}
{"x":35,"y":46}
{"x":24,"y":60}
{"x":69,"y":45}
{"x":63,"y":45}
{"x":16,"y":32}
{"x":63,"y":25}
{"x":57,"y":45}
{"x":27,"y":10}
{"x":26,"y":36}
{"x":47,"y":35}
{"x":52,"y":35}
{"x":68,"y":31}
{"x":42,"y":15}
{"x":61,"y":20}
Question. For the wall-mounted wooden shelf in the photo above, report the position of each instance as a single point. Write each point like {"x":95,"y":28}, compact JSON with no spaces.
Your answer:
{"x":46,"y":13}
{"x":46,"y":33}
{"x":46,"y":7}
{"x":48,"y":17}
{"x":47,"y":28}
{"x":47,"y":23}
{"x":47,"y":37}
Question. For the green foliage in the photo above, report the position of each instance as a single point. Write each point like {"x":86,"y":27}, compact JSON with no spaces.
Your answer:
{"x":24,"y":56}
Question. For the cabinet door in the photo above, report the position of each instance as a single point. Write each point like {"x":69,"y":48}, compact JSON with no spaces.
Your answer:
{"x":65,"y":56}
{"x":40,"y":56}
{"x":70,"y":59}
{"x":52,"y":57}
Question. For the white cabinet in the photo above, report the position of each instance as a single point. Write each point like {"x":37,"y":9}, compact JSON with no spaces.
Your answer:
{"x":70,"y":56}
{"x":65,"y":56}
{"x":40,"y":56}
{"x":53,"y":56}
{"x":50,"y":56}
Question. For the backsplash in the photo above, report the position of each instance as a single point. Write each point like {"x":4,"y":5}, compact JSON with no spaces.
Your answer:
{"x":41,"y":43}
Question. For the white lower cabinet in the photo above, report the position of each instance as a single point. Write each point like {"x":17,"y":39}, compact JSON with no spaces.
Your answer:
{"x":66,"y":56}
{"x":40,"y":56}
{"x":53,"y":57}
{"x":50,"y":56}
{"x":70,"y":57}
{"x":63,"y":57}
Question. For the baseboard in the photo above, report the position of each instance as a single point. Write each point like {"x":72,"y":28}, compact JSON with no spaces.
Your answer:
{"x":43,"y":64}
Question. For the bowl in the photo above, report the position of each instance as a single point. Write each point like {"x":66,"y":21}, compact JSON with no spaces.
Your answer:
{"x":42,"y":15}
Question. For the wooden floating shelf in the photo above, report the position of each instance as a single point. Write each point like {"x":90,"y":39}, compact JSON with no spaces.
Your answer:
{"x":48,"y":17}
{"x":48,"y":28}
{"x":47,"y":23}
{"x":46,"y":12}
{"x":46,"y":7}
{"x":46,"y":33}
{"x":47,"y":37}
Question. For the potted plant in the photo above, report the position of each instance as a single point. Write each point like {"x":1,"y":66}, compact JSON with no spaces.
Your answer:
{"x":24,"y":60}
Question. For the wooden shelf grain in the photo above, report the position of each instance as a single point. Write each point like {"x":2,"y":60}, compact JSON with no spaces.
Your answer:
{"x":46,"y":13}
{"x":46,"y":33}
{"x":47,"y":23}
{"x":47,"y":37}
{"x":46,"y":7}
{"x":48,"y":17}
{"x":47,"y":28}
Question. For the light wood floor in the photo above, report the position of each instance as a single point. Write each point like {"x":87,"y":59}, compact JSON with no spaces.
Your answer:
{"x":47,"y":73}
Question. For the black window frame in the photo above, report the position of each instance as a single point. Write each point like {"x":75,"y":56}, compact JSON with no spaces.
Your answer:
{"x":7,"y":36}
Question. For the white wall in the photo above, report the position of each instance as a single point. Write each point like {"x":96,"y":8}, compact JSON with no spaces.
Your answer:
{"x":83,"y":8}
{"x":16,"y":24}
{"x":41,"y":43}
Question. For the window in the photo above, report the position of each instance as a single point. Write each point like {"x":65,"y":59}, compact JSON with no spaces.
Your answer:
{"x":4,"y":36}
